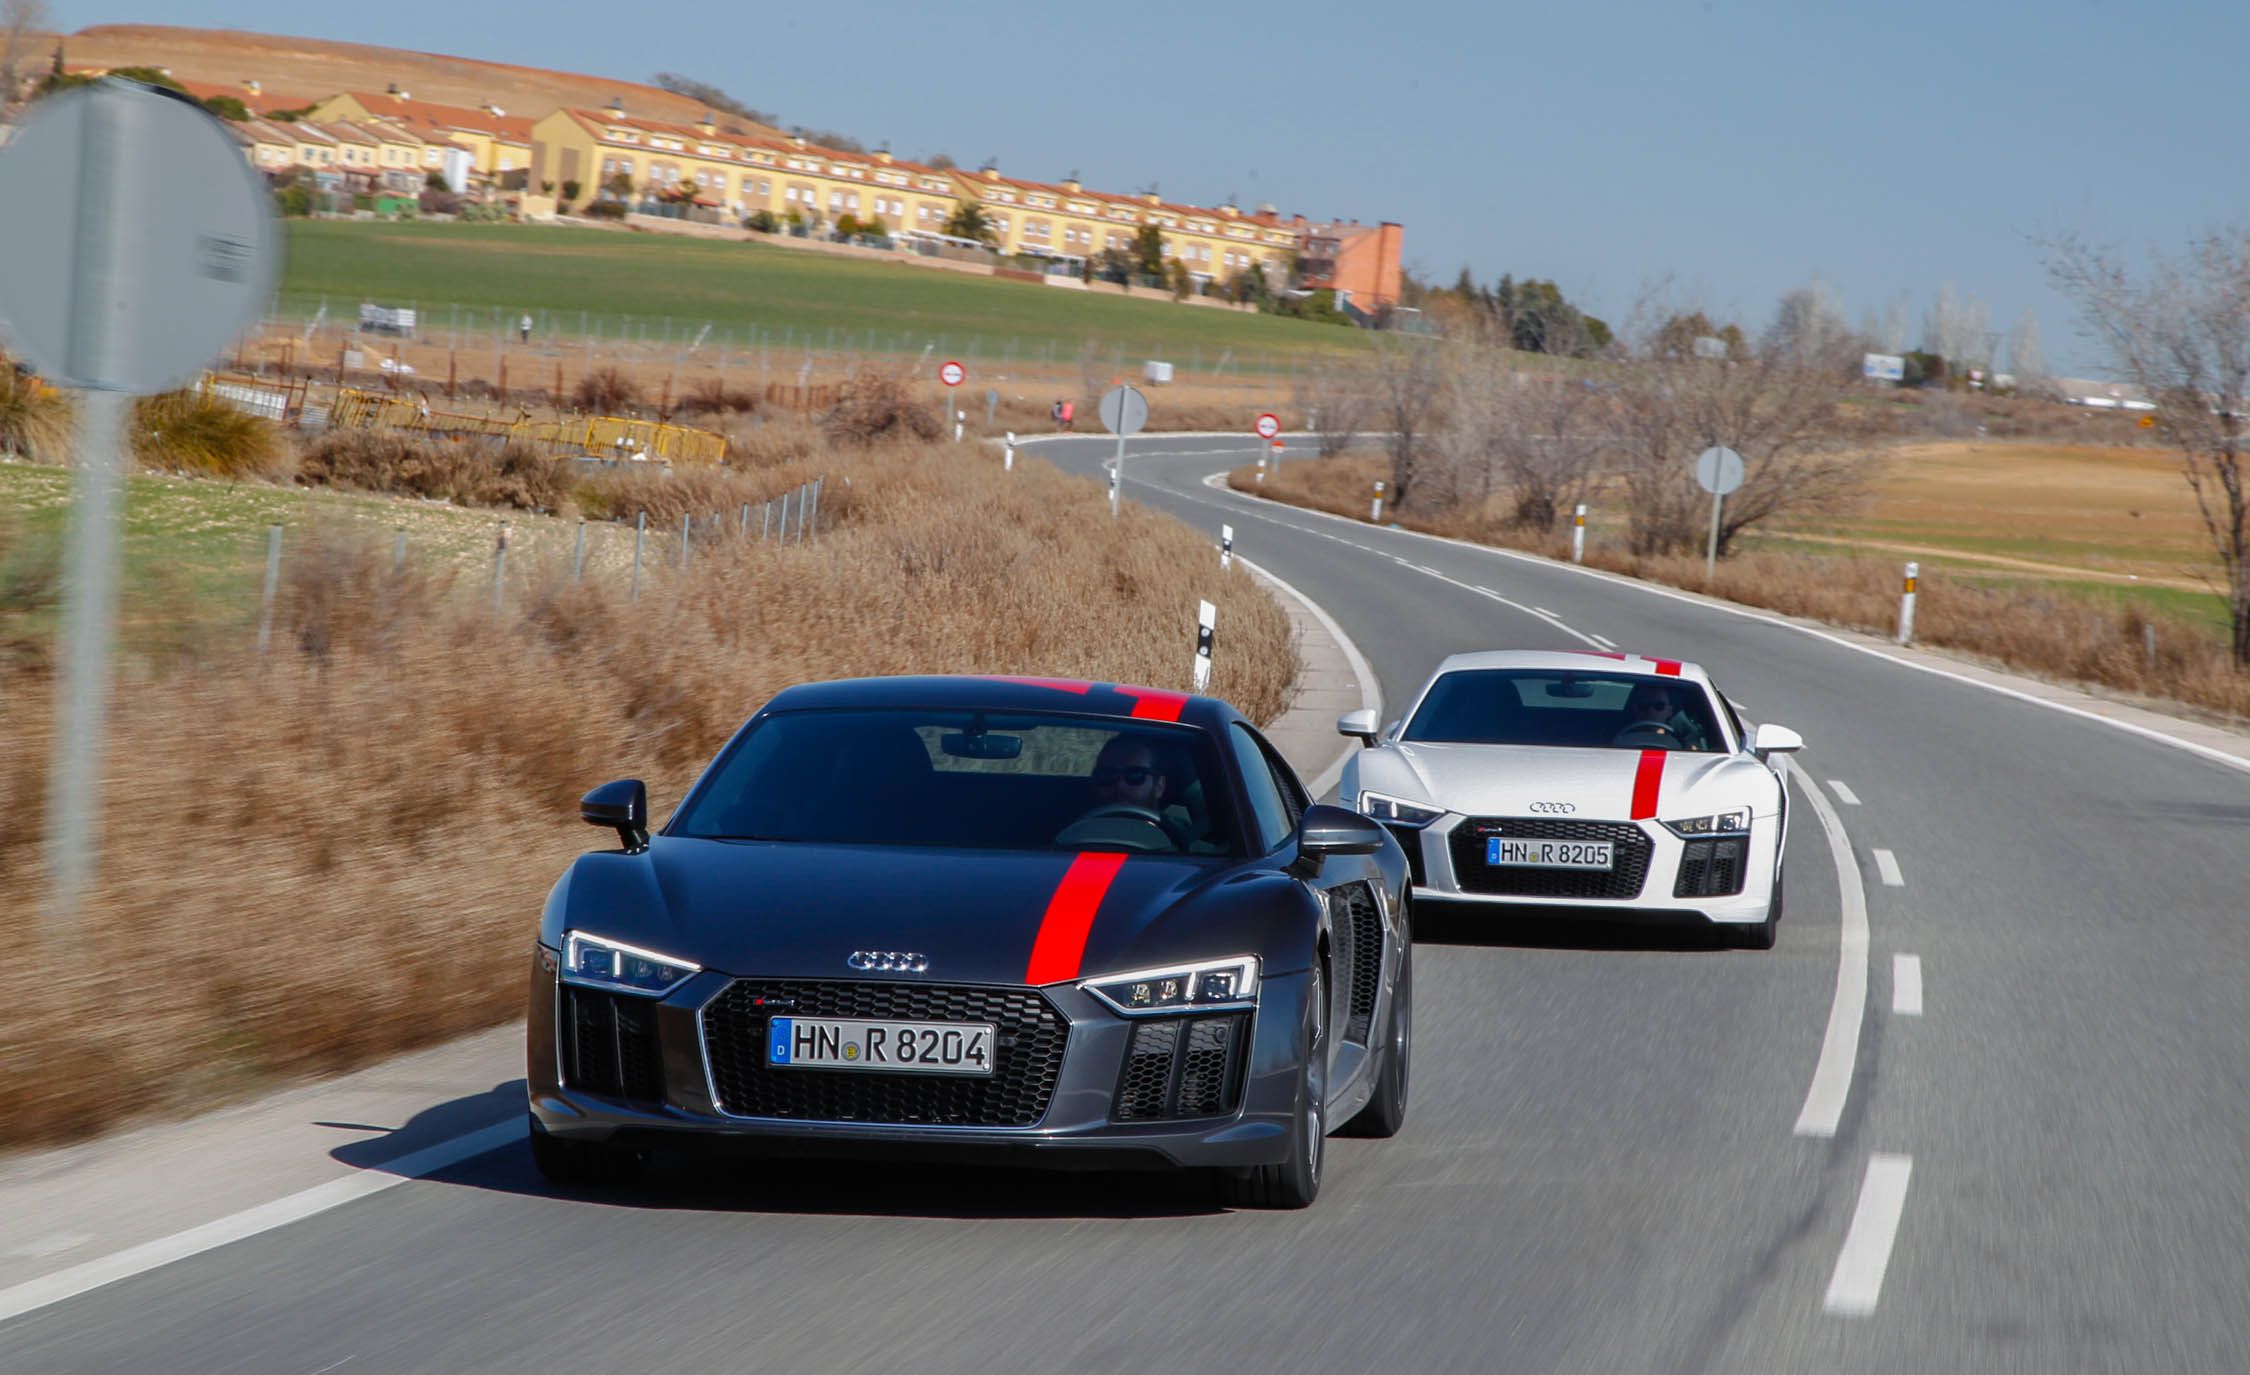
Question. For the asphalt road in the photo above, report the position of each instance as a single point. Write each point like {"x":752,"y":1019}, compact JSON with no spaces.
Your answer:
{"x":1601,"y":1170}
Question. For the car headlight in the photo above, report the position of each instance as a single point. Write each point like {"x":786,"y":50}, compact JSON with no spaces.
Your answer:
{"x":1397,"y":811}
{"x":1718,"y":823}
{"x":599,"y":962}
{"x":1231,"y":982}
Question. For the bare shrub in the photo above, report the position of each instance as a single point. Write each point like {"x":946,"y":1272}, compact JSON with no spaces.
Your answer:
{"x":1406,"y":383}
{"x":712,"y":396}
{"x":874,"y":405}
{"x":35,"y":418}
{"x":1527,"y":440}
{"x":1337,"y":398}
{"x":608,"y":390}
{"x":182,"y":432}
{"x":776,"y":442}
{"x":467,"y":472}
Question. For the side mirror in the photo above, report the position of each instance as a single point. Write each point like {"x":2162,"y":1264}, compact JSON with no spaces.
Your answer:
{"x":1327,"y":831}
{"x":1359,"y":725}
{"x":623,"y":807}
{"x":1772,"y":739}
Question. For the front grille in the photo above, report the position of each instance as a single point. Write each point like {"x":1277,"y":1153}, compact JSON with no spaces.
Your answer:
{"x":1710,"y":868}
{"x":1359,"y":952}
{"x":1027,"y":1055}
{"x":1181,"y":1067}
{"x":1410,"y":840}
{"x":1630,"y":857}
{"x":609,"y":1044}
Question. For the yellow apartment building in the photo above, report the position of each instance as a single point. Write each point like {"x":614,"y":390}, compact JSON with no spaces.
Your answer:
{"x":499,"y":144}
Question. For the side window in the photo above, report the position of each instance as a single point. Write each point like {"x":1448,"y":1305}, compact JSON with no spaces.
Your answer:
{"x":1726,"y":705}
{"x":1285,"y":779}
{"x":1266,"y":803}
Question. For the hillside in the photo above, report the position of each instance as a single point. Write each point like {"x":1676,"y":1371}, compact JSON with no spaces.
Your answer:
{"x":314,"y":68}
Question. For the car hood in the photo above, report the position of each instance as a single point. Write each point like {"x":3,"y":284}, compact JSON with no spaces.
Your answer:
{"x":799,"y":910}
{"x":1588,"y":784}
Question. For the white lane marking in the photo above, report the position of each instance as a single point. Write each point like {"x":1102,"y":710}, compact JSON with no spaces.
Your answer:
{"x":1843,"y":794}
{"x":135,"y":1260}
{"x":2216,"y":756}
{"x":1543,"y":611}
{"x":1906,"y":985}
{"x":1886,"y":864}
{"x":1858,"y":1281}
{"x":1370,"y":689}
{"x":53,"y":1244}
{"x":1604,"y":641}
{"x":1839,"y":1045}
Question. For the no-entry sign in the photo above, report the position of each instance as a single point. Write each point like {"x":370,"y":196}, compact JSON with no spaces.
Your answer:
{"x":952,"y":374}
{"x":1268,"y":425}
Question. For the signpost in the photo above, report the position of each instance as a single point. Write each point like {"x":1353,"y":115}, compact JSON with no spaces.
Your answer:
{"x":1268,"y":426}
{"x":1124,"y":411}
{"x":952,"y":374}
{"x":139,"y":243}
{"x":1718,"y":470}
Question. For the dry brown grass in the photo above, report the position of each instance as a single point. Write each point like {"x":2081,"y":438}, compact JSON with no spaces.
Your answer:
{"x":343,"y":855}
{"x":2025,"y":627}
{"x":203,"y":436}
{"x":469,"y":473}
{"x":35,"y":419}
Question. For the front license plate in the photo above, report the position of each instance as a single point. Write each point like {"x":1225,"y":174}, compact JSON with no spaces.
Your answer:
{"x":1502,"y":852}
{"x":893,"y":1047}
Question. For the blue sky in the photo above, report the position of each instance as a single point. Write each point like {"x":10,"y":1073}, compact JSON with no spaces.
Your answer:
{"x":1730,"y":149}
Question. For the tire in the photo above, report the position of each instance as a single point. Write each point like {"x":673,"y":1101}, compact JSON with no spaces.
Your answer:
{"x":1294,"y":1182}
{"x":1762,"y":936}
{"x":1385,"y":1113}
{"x":583,"y":1164}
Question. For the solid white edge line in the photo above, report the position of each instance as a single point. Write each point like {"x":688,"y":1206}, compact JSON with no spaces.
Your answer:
{"x":1858,"y":1281}
{"x":1886,"y":864}
{"x":1906,"y":985}
{"x":2217,"y":756}
{"x":1839,"y":1045}
{"x":47,"y":1290}
{"x":1370,"y":689}
{"x":1843,"y":794}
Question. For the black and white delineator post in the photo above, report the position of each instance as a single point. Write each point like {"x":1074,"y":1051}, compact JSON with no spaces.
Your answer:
{"x":1578,"y":534}
{"x":1906,"y":604}
{"x":1375,"y":513}
{"x":1261,"y":470}
{"x":1226,"y":547}
{"x":1206,"y":621}
{"x":139,"y":242}
{"x":1008,"y":455}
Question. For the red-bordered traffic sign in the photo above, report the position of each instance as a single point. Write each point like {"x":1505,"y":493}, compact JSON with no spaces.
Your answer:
{"x":1268,"y":425}
{"x":952,"y":374}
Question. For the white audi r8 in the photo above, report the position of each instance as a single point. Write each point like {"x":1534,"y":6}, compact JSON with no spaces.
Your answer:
{"x":1566,"y":783}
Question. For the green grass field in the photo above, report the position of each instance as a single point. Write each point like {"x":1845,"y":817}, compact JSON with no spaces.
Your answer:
{"x":616,"y":284}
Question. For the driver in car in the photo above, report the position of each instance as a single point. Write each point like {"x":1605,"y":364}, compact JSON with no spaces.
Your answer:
{"x":1130,"y":784}
{"x":1651,"y":719}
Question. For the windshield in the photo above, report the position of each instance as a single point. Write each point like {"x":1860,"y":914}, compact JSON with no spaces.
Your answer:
{"x":1517,"y":706}
{"x":968,"y":780}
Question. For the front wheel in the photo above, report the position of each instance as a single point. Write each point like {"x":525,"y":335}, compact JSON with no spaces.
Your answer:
{"x":1295,"y":1181}
{"x":1763,"y":935}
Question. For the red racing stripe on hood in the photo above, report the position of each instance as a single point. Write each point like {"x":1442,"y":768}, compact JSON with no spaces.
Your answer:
{"x":1648,"y":776}
{"x":1061,"y":943}
{"x":1058,"y":684}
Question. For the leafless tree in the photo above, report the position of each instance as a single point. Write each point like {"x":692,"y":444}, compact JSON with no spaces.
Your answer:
{"x":1336,"y":399}
{"x":1407,"y":379}
{"x":1808,"y":325}
{"x":1534,"y":433}
{"x":2181,"y":332}
{"x":1894,"y":335}
{"x":19,"y":20}
{"x":1777,"y":409}
{"x":2024,"y":357}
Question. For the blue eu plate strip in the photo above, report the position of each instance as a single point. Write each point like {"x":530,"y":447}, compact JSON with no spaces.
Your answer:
{"x":778,"y":1051}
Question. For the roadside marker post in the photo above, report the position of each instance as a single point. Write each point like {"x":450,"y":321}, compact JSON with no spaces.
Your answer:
{"x":1276,"y":446}
{"x":1906,"y":604}
{"x":500,"y":570}
{"x":1226,"y":547}
{"x":1008,"y":455}
{"x":140,"y":242}
{"x":578,"y":556}
{"x":273,"y":585}
{"x":1261,"y":470}
{"x":960,"y":422}
{"x":640,"y":538}
{"x":1206,"y":624}
{"x":1376,"y":513}
{"x":1578,"y":534}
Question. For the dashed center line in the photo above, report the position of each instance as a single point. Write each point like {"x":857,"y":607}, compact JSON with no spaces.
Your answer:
{"x":1886,"y":864}
{"x":1858,"y":1282}
{"x":1603,"y":640}
{"x":1906,"y":985}
{"x":1843,"y":794}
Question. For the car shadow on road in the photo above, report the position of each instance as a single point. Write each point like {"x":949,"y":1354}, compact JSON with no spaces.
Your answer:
{"x":1438,"y":925}
{"x":748,"y":1182}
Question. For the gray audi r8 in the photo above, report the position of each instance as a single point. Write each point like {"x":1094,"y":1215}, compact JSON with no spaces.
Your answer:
{"x":1061,"y":923}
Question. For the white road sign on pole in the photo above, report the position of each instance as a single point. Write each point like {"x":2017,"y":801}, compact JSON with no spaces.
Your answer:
{"x":139,"y":242}
{"x":1123,"y":410}
{"x":952,"y":374}
{"x":1718,"y":470}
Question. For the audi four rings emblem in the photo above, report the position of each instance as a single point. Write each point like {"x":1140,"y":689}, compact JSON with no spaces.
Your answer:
{"x":1554,"y":808}
{"x":889,"y":961}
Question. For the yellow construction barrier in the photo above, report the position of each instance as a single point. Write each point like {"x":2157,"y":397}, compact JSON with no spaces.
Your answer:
{"x":605,"y":435}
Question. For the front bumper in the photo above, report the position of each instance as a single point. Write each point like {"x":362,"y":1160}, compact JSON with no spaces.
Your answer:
{"x":1437,"y":877}
{"x":670,"y":1098}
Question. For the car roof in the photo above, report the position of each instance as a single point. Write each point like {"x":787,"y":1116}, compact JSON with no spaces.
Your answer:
{"x":1007,"y":693}
{"x":1598,"y":660}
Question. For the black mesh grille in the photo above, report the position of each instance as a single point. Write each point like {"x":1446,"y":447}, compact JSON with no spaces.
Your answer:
{"x":1179,"y":1067}
{"x":1631,"y":852}
{"x":1027,"y":1057}
{"x":1710,"y":869}
{"x":1359,"y":952}
{"x":609,"y":1044}
{"x":1410,"y":840}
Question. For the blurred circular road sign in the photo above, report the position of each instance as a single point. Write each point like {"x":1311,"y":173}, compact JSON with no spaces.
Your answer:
{"x":138,"y":239}
{"x":1124,"y":410}
{"x":1718,"y":470}
{"x":1269,"y":425}
{"x":952,"y":374}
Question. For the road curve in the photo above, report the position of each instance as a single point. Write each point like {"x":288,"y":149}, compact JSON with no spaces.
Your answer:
{"x":2038,"y":1164}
